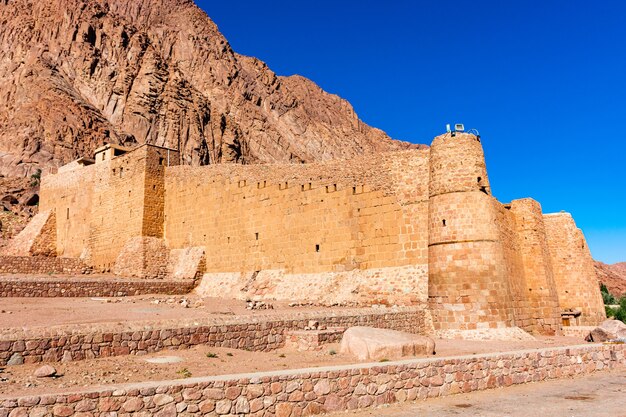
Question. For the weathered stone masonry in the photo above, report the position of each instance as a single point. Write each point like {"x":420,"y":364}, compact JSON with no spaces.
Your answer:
{"x":88,"y":286}
{"x":416,"y":227}
{"x":293,"y":393}
{"x":260,"y":333}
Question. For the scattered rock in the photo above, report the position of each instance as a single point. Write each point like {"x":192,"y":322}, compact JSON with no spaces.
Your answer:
{"x":369,"y":343}
{"x":45,"y":371}
{"x":67,"y":356}
{"x":258,"y":305}
{"x":315,"y":325}
{"x":16,"y":359}
{"x":165,"y":359}
{"x":303,"y":304}
{"x":10,"y":199}
{"x":30,"y":198}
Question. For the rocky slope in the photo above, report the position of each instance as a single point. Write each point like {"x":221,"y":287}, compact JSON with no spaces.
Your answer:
{"x":613,"y":276}
{"x":18,"y":203}
{"x":75,"y":74}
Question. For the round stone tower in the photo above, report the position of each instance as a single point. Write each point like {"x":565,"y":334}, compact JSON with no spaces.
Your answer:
{"x":468,"y":286}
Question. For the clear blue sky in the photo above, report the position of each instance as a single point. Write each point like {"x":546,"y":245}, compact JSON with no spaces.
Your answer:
{"x":543,"y":81}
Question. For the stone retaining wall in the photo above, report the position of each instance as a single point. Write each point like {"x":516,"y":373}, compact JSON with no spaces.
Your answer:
{"x":577,"y":331}
{"x":18,"y":286}
{"x":254,"y":332}
{"x":42,"y":265}
{"x":292,"y":393}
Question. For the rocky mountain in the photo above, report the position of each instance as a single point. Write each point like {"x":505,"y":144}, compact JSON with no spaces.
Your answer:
{"x":75,"y":74}
{"x":613,"y":276}
{"x":18,"y":203}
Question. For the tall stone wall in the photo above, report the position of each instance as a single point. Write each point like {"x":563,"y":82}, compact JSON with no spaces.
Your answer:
{"x":69,"y":194}
{"x":367,"y":213}
{"x":98,"y":206}
{"x":157,"y":159}
{"x":404,"y":227}
{"x":118,"y":206}
{"x":514,"y":267}
{"x":574,"y":274}
{"x":405,"y":285}
{"x":536,"y":279}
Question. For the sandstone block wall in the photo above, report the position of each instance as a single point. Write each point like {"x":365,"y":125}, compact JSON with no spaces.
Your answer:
{"x":101,"y":206}
{"x":468,"y":283}
{"x":314,"y":391}
{"x":294,"y":227}
{"x":407,"y":227}
{"x":119,"y":204}
{"x":328,"y":217}
{"x":535,"y":290}
{"x":143,"y":257}
{"x":576,"y":281}
{"x":187,"y":263}
{"x":405,"y":285}
{"x":69,"y":194}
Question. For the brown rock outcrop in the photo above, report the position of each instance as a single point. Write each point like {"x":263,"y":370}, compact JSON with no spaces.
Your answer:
{"x":17,"y":205}
{"x":75,"y":74}
{"x":613,"y":276}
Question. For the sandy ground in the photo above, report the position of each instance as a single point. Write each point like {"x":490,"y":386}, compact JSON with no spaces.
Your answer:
{"x":198,"y":361}
{"x":207,"y":361}
{"x":599,"y":395}
{"x":43,"y":312}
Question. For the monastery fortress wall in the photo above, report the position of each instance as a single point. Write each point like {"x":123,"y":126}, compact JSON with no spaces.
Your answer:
{"x":413,"y":227}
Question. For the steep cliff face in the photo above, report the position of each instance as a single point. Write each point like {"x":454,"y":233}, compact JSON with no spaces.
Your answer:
{"x":75,"y":74}
{"x":613,"y":276}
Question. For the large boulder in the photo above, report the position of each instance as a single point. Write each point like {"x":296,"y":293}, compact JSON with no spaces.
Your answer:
{"x":369,"y":343}
{"x":607,"y":330}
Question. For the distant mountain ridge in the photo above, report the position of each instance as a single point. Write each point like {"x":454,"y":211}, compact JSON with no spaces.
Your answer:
{"x":75,"y":74}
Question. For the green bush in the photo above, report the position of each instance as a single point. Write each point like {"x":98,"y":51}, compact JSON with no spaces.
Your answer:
{"x":35,"y":179}
{"x":607,"y":297}
{"x":620,"y":313}
{"x":610,"y":311}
